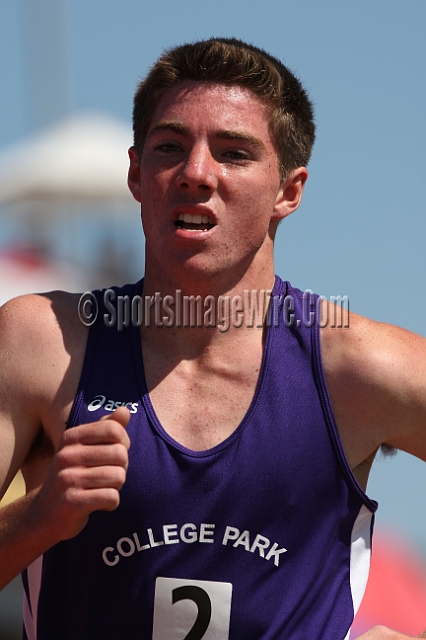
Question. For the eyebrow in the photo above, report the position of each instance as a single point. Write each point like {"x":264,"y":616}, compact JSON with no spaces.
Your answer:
{"x":243,"y":136}
{"x":220,"y":134}
{"x":176,"y":127}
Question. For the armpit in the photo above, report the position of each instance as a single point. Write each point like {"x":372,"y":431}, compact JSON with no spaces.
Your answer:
{"x":41,"y":448}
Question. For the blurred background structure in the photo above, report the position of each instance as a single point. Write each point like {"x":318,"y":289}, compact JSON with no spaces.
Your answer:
{"x":63,"y":192}
{"x":68,"y":73}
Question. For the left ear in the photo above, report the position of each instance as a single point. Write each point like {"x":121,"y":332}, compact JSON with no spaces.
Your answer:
{"x":290,"y":194}
{"x":133,"y":177}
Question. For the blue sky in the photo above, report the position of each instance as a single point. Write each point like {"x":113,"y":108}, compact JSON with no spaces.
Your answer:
{"x":360,"y":230}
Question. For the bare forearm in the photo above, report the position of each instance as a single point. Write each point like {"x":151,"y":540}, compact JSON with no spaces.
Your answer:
{"x":86,"y":475}
{"x":384,"y":633}
{"x":23,"y":538}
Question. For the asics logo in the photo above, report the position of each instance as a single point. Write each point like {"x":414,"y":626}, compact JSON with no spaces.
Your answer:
{"x":110,"y":405}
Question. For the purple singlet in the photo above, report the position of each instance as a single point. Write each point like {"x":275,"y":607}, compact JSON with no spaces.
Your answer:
{"x":264,"y":537}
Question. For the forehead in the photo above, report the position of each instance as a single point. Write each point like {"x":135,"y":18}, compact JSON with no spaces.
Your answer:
{"x":223,"y":106}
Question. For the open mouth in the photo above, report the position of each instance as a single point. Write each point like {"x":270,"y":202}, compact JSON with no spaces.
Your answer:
{"x":194,"y":222}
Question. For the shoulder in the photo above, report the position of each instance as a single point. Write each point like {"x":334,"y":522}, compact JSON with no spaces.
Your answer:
{"x":42,"y":346}
{"x":39,"y":324}
{"x":364,"y":348}
{"x":376,"y":375}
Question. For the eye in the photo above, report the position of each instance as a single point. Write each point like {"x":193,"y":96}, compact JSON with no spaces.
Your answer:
{"x":168,"y":147}
{"x":237,"y":154}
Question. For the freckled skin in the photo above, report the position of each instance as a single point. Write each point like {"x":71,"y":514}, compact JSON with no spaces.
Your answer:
{"x":237,"y":180}
{"x":208,"y":152}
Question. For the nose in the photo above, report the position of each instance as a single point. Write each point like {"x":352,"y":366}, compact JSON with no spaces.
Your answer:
{"x":199,"y":171}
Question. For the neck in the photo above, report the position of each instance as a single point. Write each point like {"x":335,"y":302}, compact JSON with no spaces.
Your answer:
{"x":191,"y":315}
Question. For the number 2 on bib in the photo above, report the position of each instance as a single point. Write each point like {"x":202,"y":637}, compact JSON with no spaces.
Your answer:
{"x":191,"y":609}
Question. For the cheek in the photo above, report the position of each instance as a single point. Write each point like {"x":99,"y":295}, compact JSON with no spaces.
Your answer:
{"x":156,"y":189}
{"x":151,"y":198}
{"x":256,"y":204}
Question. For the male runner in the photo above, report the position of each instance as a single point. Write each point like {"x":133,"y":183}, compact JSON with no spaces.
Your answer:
{"x":239,"y":509}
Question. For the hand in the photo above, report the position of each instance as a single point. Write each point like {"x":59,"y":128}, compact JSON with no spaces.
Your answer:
{"x":384,"y":633}
{"x":86,"y":475}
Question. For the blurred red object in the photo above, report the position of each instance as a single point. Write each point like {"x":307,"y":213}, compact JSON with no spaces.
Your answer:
{"x":396,"y":589}
{"x":24,"y":269}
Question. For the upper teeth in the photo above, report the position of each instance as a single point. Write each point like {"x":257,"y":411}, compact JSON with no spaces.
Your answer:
{"x":195,"y":218}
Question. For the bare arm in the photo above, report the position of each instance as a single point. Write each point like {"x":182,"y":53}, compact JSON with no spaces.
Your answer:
{"x":73,"y":472}
{"x":376,"y":375}
{"x":86,"y":475}
{"x":384,"y":633}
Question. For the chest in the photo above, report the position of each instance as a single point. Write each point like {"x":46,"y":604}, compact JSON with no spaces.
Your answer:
{"x":199,"y":407}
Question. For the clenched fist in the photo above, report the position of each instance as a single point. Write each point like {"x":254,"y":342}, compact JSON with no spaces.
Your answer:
{"x":86,"y":475}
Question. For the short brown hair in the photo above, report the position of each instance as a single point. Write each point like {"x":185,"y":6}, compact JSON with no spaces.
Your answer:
{"x":233,"y":62}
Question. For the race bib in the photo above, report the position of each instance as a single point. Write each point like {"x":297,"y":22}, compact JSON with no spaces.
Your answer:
{"x":191,"y":609}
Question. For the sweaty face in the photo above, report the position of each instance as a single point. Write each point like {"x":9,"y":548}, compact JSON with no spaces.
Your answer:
{"x":208,"y":182}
